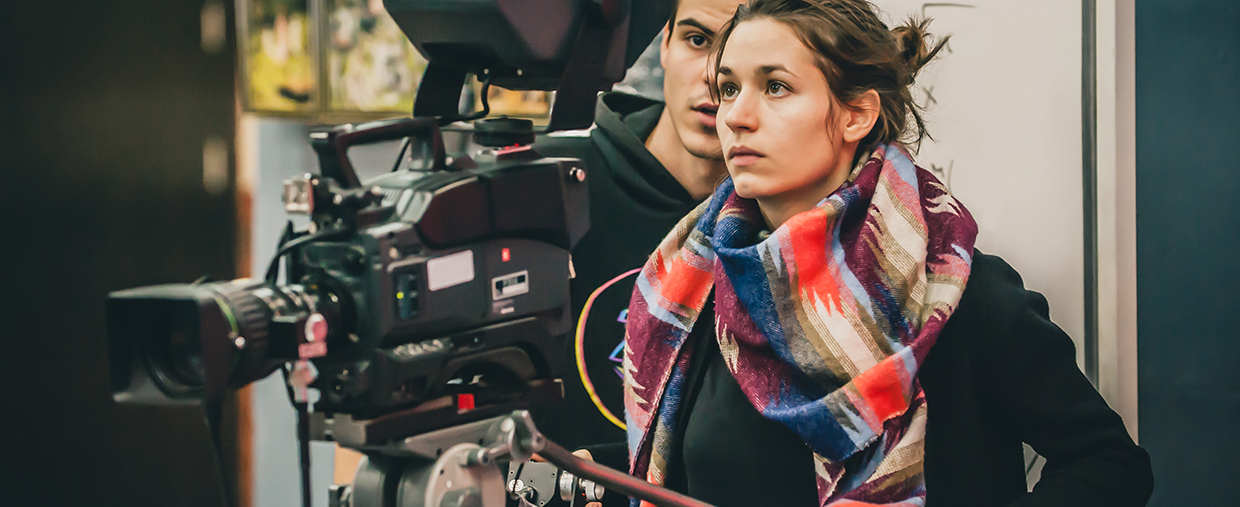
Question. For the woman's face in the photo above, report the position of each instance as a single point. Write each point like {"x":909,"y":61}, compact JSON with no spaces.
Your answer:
{"x":774,"y":119}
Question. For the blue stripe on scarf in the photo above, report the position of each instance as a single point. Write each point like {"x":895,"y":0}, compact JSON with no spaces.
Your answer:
{"x":634,"y":432}
{"x":903,"y":165}
{"x":819,"y":426}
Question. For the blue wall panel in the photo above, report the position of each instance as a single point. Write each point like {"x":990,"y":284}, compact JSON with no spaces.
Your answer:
{"x":1188,"y":246}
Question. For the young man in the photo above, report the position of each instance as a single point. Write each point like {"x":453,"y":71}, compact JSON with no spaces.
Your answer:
{"x":648,"y":164}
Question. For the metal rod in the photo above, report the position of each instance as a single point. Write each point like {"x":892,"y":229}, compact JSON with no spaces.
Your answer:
{"x":615,"y":480}
{"x":1089,"y":181}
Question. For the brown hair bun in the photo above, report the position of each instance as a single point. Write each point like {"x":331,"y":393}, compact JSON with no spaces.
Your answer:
{"x":913,"y":45}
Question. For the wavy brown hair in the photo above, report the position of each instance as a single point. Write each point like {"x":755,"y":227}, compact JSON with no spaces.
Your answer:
{"x":856,"y":52}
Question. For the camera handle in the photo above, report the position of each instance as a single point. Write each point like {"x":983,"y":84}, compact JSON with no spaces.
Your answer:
{"x":458,"y":466}
{"x":332,"y":145}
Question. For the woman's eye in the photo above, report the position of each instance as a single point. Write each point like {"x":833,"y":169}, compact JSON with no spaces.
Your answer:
{"x":696,"y":40}
{"x":777,"y":89}
{"x":728,"y":90}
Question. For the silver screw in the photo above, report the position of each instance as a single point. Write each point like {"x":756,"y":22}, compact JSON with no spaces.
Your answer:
{"x":239,"y":342}
{"x":394,"y":253}
{"x":577,"y":174}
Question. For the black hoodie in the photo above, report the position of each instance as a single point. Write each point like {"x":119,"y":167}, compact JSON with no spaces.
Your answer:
{"x":634,"y":202}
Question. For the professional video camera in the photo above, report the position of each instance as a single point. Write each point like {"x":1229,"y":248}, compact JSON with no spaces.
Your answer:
{"x":427,"y":306}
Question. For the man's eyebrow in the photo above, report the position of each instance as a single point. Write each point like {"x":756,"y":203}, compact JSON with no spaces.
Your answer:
{"x":696,"y":24}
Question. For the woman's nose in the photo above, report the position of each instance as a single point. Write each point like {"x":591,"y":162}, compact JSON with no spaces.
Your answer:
{"x":741,"y":115}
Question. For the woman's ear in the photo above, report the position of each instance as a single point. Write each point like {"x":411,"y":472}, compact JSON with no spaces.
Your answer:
{"x":860,"y":116}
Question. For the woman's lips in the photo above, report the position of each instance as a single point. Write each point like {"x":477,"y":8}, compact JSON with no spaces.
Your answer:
{"x":742,"y":156}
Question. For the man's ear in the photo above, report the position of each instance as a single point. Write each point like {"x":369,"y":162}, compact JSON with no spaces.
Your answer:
{"x":860,"y":116}
{"x":667,"y":37}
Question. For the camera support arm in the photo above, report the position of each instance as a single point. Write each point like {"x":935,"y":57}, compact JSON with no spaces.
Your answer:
{"x":532,"y":441}
{"x":449,"y":469}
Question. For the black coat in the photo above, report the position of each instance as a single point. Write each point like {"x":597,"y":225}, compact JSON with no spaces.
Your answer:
{"x":1001,"y":373}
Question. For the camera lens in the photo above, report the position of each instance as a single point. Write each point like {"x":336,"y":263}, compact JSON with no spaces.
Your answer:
{"x":174,"y":354}
{"x":183,"y":354}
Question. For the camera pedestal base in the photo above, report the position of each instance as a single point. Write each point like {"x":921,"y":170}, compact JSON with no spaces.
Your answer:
{"x":453,"y":467}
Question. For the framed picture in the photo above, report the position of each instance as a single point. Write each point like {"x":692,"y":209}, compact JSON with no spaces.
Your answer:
{"x":279,"y":72}
{"x":370,"y":65}
{"x":344,"y":60}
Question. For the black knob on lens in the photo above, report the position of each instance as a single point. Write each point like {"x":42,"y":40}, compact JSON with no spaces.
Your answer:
{"x":502,"y":132}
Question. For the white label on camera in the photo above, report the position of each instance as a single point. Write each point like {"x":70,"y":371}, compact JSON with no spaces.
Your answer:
{"x":510,"y":285}
{"x":450,"y":270}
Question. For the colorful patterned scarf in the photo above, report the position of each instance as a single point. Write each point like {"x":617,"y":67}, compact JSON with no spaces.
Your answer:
{"x":823,"y":322}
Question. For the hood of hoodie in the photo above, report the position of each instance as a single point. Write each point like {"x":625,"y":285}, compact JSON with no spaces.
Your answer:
{"x":623,"y":122}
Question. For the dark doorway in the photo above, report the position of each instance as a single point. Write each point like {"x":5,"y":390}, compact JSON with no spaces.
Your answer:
{"x":106,"y":109}
{"x":1188,"y":239}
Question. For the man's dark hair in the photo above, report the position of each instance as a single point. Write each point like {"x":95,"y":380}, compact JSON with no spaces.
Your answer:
{"x":671,"y":15}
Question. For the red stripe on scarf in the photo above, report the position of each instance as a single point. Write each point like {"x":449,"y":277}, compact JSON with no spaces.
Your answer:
{"x":810,"y":266}
{"x":688,"y":288}
{"x":882,"y":387}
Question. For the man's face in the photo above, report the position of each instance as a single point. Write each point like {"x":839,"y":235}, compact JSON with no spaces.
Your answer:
{"x":686,"y":46}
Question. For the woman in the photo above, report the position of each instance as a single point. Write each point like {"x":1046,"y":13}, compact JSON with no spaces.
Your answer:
{"x":821,"y":331}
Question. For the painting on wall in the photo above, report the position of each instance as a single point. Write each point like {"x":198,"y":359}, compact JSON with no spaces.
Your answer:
{"x":371,"y":66}
{"x":325,"y":57}
{"x":277,"y":56}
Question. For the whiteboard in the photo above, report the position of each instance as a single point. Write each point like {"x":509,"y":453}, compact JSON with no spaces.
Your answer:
{"x":1004,"y":106}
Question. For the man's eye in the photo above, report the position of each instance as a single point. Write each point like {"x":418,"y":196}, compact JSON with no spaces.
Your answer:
{"x":696,"y":40}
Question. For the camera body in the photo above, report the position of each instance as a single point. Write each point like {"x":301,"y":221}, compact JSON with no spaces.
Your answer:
{"x":428,"y":306}
{"x":441,"y":281}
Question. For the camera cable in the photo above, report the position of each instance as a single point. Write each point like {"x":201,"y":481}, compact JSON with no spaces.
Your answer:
{"x":303,"y":436}
{"x":213,"y":411}
{"x":273,"y":269}
{"x":483,"y":96}
{"x":404,"y":147}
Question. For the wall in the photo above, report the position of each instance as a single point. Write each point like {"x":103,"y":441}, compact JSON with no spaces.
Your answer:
{"x":117,"y":122}
{"x":1003,"y":103}
{"x":1187,"y":236}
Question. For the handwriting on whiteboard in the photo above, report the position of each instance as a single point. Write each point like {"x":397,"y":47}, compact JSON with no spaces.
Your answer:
{"x":942,"y":171}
